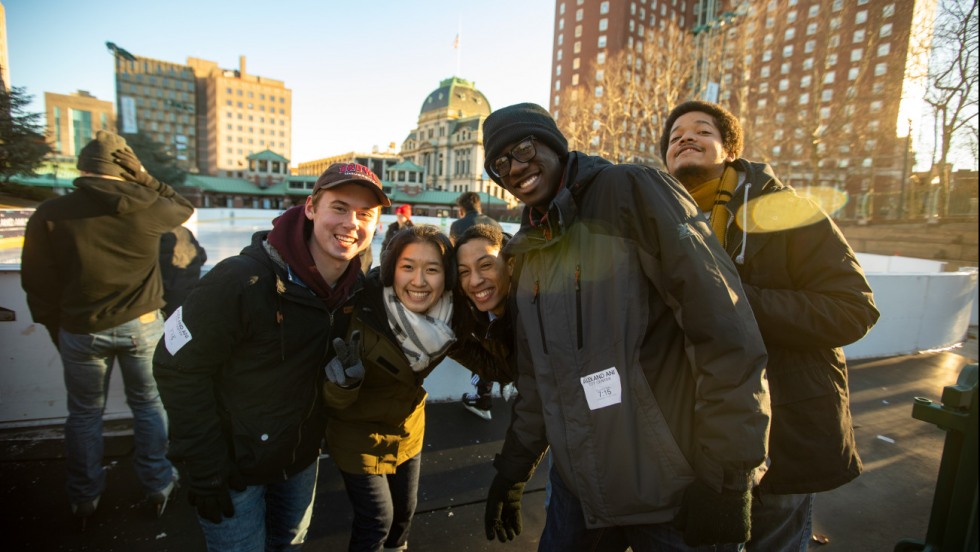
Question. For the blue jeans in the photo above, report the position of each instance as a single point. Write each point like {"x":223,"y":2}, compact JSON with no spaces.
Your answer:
{"x":268,"y":517}
{"x":781,"y":522}
{"x":564,"y":529}
{"x":383,"y":506}
{"x":88,"y":361}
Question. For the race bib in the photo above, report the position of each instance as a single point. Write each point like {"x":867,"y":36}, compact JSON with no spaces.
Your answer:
{"x":175,"y":333}
{"x":602,"y":388}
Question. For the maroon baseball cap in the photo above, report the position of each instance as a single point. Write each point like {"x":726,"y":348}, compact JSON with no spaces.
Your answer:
{"x":351,"y":173}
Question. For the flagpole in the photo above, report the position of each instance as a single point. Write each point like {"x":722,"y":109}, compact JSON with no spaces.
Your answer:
{"x":459,"y":36}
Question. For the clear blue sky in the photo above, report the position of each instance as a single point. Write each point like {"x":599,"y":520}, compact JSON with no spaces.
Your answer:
{"x":359,"y":70}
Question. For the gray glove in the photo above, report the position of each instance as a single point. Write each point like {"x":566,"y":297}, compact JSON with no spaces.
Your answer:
{"x":346,"y":369}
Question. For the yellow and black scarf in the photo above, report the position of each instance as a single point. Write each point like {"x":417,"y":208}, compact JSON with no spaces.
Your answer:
{"x":713,"y":196}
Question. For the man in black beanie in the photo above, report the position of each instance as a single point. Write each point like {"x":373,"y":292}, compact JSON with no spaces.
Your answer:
{"x":639,"y":361}
{"x":89,"y":267}
{"x":810,"y":297}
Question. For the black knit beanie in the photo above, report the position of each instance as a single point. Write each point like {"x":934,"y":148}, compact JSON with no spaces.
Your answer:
{"x":512,"y":123}
{"x":96,"y":156}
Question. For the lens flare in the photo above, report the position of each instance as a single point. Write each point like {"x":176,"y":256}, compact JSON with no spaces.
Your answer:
{"x":785,"y":210}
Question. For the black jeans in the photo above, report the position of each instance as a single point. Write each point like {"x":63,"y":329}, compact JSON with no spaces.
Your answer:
{"x":383,"y":506}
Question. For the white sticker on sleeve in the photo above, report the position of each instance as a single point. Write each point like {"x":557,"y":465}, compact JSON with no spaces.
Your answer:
{"x":603,"y":388}
{"x":175,"y":333}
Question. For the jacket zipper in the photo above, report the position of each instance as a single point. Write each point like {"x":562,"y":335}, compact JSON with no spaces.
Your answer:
{"x":537,"y":306}
{"x":578,"y":304}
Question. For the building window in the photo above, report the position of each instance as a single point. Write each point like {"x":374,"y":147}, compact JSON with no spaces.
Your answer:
{"x":790,"y":34}
{"x":603,"y":24}
{"x":826,"y":95}
{"x":811,"y":29}
{"x":576,"y":63}
{"x":809,"y":46}
{"x":884,"y":49}
{"x":886,"y":30}
{"x":578,"y":31}
{"x":859,"y":36}
{"x":856,"y":54}
{"x":804,"y":98}
{"x":788,"y":50}
{"x":791,"y":17}
{"x":876,"y":106}
{"x":604,"y":8}
{"x":806,"y":81}
{"x":888,"y":10}
{"x":784,"y":84}
{"x":814,"y":10}
{"x":829,"y":78}
{"x":600,"y":58}
{"x":578,"y":14}
{"x":831,"y":60}
{"x":881,"y":69}
{"x":602,"y":41}
{"x":852,"y":73}
{"x":598,"y":91}
{"x":577,"y":48}
{"x":861,"y":17}
{"x":575,"y":79}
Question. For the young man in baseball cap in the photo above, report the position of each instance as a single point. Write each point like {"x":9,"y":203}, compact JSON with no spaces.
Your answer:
{"x":240,"y":364}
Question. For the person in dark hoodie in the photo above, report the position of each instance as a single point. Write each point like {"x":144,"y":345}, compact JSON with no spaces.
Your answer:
{"x":181,"y":259}
{"x":89,"y":267}
{"x":638,"y":359}
{"x":240,"y":364}
{"x":810,"y":297}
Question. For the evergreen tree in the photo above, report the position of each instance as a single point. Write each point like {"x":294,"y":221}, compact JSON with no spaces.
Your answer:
{"x":22,"y":142}
{"x":155,"y":158}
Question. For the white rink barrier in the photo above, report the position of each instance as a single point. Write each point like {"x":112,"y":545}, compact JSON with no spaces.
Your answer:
{"x":921,"y":308}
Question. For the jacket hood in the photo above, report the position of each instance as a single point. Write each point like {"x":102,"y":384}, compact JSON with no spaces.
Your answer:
{"x":120,"y":196}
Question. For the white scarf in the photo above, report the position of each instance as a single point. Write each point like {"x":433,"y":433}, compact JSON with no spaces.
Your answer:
{"x":421,"y":336}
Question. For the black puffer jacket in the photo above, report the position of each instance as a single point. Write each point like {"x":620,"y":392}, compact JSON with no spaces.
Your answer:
{"x":242,"y":387}
{"x":810,"y":298}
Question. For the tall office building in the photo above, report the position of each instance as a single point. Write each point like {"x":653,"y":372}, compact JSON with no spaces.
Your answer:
{"x":4,"y":58}
{"x":157,"y":99}
{"x":73,"y":120}
{"x":824,"y":88}
{"x":239,"y":114}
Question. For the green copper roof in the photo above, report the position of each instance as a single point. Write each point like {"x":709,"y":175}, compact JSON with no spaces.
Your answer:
{"x":406,"y":166}
{"x":267,"y":155}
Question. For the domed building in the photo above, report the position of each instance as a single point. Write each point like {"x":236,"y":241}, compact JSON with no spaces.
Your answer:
{"x":448,"y":142}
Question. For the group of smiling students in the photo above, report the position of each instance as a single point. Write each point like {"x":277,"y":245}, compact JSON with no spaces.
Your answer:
{"x":289,"y":345}
{"x":411,"y":317}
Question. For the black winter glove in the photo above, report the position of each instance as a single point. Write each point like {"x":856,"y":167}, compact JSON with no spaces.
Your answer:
{"x":134,"y":171}
{"x":707,"y":517}
{"x":346,"y":369}
{"x":214,"y":502}
{"x":503,"y":514}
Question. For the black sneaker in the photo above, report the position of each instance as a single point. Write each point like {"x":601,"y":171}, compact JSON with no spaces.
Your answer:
{"x":478,"y":405}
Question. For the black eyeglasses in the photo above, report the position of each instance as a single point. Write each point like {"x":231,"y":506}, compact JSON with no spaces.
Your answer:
{"x":523,"y":152}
